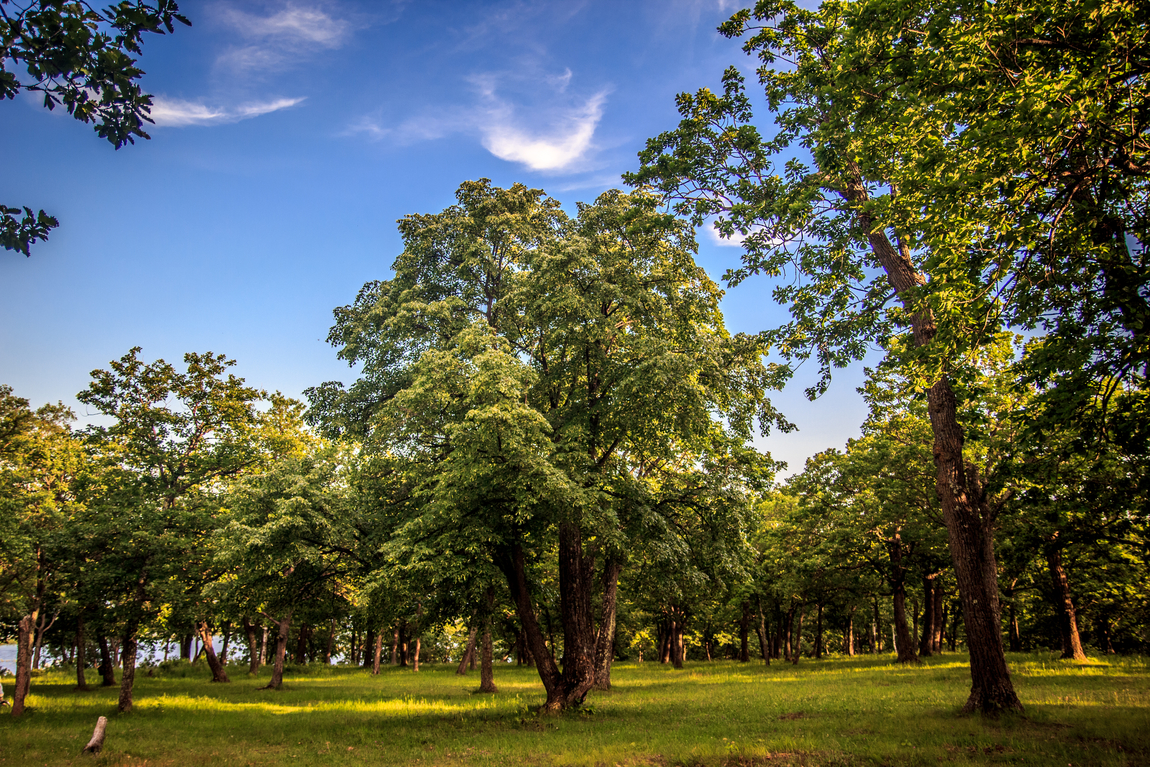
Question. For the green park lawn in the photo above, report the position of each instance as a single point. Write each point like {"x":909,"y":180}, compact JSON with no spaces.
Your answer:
{"x":839,"y":711}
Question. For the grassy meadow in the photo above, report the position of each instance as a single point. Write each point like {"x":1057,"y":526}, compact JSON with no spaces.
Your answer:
{"x":838,"y":711}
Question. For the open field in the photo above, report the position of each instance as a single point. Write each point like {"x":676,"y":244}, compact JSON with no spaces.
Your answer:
{"x":838,"y":711}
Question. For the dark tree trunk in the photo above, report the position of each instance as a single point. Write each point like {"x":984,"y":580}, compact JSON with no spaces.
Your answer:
{"x":788,"y":651}
{"x":128,"y":667}
{"x":330,"y":648}
{"x":81,"y":654}
{"x":227,"y":641}
{"x":677,"y":649}
{"x":514,"y":569}
{"x":797,"y":641}
{"x":418,"y":647}
{"x":939,"y":618}
{"x":904,"y":640}
{"x":283,"y":627}
{"x":186,"y":647}
{"x":107,"y":669}
{"x":875,"y":629}
{"x":744,"y":634}
{"x":761,"y":629}
{"x":219,"y":674}
{"x":926,"y":642}
{"x":23,"y":664}
{"x":301,"y":644}
{"x":486,"y":665}
{"x":253,"y":647}
{"x":377,"y":655}
{"x":468,"y":651}
{"x":1067,"y":617}
{"x":605,"y":640}
{"x":962,"y":496}
{"x":819,"y":633}
{"x":576,"y":574}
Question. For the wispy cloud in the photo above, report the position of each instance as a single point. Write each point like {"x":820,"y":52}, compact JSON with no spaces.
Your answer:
{"x":556,"y":147}
{"x":280,"y":40}
{"x":538,"y":125}
{"x":177,"y":113}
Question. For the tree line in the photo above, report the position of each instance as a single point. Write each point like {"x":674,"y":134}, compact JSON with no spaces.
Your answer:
{"x":549,"y":437}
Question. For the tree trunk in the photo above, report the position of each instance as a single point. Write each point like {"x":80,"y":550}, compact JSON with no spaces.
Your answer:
{"x":486,"y":667}
{"x":301,"y":645}
{"x":107,"y":670}
{"x":128,"y":667}
{"x":962,"y":496}
{"x":377,"y":654}
{"x":395,"y":647}
{"x":227,"y":640}
{"x":819,"y":633}
{"x":849,"y":634}
{"x":263,"y":645}
{"x":939,"y":618}
{"x":81,"y":654}
{"x":789,"y":634}
{"x":253,"y":647}
{"x":186,"y":647}
{"x":797,"y":641}
{"x":23,"y":665}
{"x":418,"y":647}
{"x":744,"y":633}
{"x":283,"y":627}
{"x":761,"y":629}
{"x":926,"y":641}
{"x":219,"y":674}
{"x":514,"y":569}
{"x":468,"y":651}
{"x":904,"y":641}
{"x":1064,"y":605}
{"x":330,"y":644}
{"x":41,"y":629}
{"x":605,"y":640}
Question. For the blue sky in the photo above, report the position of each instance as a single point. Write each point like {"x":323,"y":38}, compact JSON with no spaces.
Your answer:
{"x":290,"y":136}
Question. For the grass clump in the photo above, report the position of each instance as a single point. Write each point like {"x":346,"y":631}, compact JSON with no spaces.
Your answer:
{"x":840,"y":711}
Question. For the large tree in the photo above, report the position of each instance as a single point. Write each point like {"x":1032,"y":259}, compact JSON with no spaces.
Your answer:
{"x":175,"y":436}
{"x":813,"y":199}
{"x":550,"y":384}
{"x":84,"y":60}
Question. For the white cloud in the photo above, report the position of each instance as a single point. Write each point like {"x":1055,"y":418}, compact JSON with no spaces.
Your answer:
{"x":562,"y":145}
{"x":293,"y":23}
{"x":177,"y":113}
{"x":281,"y":40}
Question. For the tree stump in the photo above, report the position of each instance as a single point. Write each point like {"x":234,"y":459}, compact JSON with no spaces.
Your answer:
{"x":97,"y":741}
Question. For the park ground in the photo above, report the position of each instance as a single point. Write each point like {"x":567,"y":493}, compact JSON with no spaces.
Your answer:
{"x":837,"y":711}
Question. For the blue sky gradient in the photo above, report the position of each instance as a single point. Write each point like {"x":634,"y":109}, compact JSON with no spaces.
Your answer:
{"x":289,"y":139}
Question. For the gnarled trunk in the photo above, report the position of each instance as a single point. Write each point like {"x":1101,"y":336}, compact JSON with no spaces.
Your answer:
{"x":128,"y":666}
{"x":283,"y":626}
{"x":219,"y":674}
{"x":1067,"y":617}
{"x":468,"y":652}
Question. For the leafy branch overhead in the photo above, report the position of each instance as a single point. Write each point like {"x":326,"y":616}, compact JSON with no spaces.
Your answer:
{"x":84,"y":60}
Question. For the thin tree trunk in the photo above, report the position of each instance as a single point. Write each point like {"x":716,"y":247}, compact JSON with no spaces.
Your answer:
{"x":263,"y":645}
{"x":486,"y":667}
{"x":377,"y":655}
{"x":418,"y":647}
{"x":330,"y":644}
{"x":395,"y":647}
{"x":41,"y":629}
{"x":849,"y":634}
{"x":81,"y":653}
{"x":926,"y":640}
{"x":904,"y":642}
{"x":605,"y":640}
{"x":219,"y":674}
{"x":744,"y":633}
{"x":369,"y":643}
{"x":227,"y":640}
{"x":283,"y":627}
{"x":761,"y":630}
{"x":514,"y":569}
{"x":128,"y":666}
{"x":788,"y":652}
{"x":1067,"y":617}
{"x":939,"y":617}
{"x":107,"y":669}
{"x":301,"y":644}
{"x":253,"y":647}
{"x":23,"y":664}
{"x":468,"y":651}
{"x":797,"y":643}
{"x":819,"y":633}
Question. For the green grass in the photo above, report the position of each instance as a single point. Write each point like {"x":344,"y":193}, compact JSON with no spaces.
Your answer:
{"x":839,"y":711}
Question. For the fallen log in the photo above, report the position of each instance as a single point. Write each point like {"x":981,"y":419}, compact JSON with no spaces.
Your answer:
{"x":97,"y":741}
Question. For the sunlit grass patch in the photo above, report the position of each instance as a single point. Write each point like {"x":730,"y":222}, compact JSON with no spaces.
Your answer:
{"x":843,"y":711}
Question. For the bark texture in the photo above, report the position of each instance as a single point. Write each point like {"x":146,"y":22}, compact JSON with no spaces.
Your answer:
{"x":283,"y":626}
{"x":219,"y":673}
{"x":96,"y":744}
{"x":1064,"y":604}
